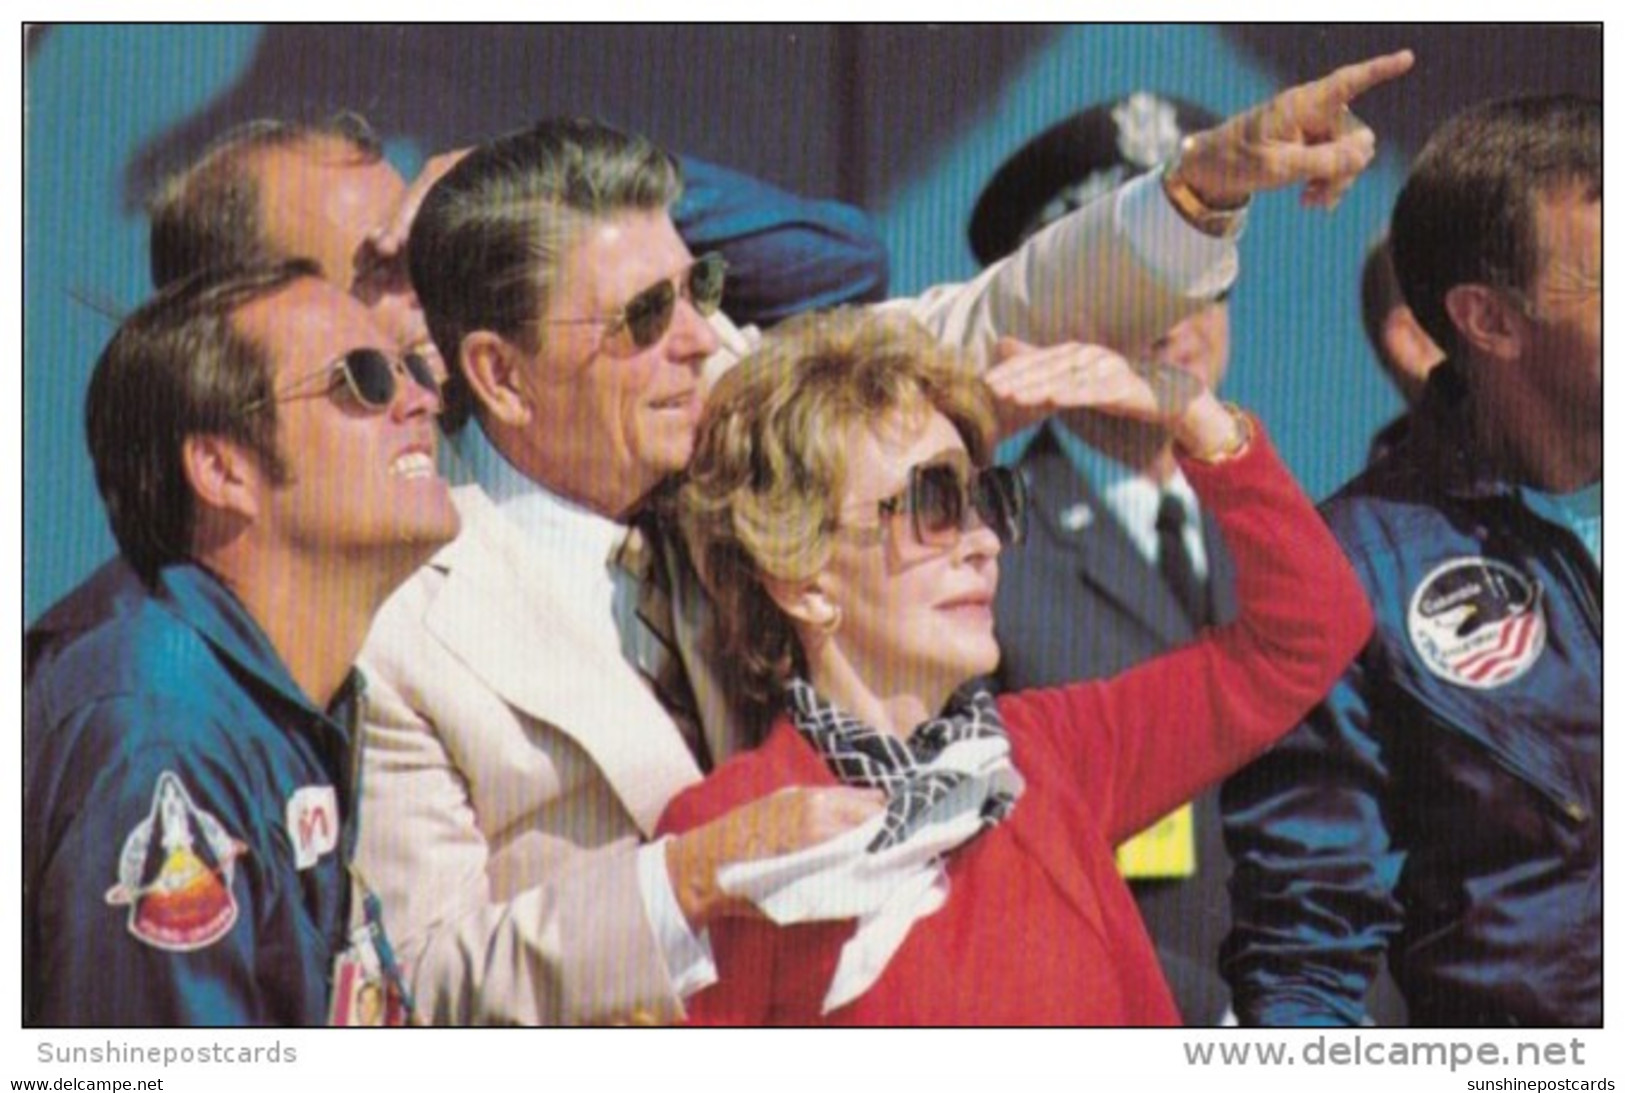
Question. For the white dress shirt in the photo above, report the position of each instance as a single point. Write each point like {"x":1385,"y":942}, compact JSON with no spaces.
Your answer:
{"x":1133,"y":499}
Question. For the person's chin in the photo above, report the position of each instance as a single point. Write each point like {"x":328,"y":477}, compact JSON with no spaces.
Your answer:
{"x":976,"y":654}
{"x":429,"y":520}
{"x":670,"y":449}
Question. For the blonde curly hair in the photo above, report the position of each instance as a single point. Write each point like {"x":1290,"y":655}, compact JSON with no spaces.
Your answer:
{"x":765,"y":486}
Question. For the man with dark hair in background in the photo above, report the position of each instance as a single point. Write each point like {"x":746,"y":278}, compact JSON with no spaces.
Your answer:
{"x":1444,"y":805}
{"x":267,"y":461}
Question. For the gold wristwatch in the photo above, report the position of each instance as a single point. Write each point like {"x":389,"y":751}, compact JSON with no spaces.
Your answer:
{"x":1221,"y":223}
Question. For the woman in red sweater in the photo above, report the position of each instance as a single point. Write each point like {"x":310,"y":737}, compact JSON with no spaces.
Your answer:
{"x":842,"y":512}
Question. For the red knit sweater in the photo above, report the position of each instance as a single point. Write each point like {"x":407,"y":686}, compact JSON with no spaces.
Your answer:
{"x":1039,"y":928}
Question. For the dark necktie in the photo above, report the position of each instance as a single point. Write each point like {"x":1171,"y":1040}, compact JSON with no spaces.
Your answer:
{"x":1174,"y":560}
{"x":659,"y":660}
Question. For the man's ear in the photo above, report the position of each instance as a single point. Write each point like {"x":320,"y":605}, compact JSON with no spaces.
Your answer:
{"x":491,"y":367}
{"x":223,"y":474}
{"x":1487,"y":320}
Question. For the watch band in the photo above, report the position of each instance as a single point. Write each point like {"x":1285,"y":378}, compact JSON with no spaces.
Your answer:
{"x":1207,"y":219}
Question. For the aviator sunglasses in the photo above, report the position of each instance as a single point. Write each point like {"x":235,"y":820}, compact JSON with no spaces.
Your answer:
{"x":647,"y":316}
{"x":940,"y":498}
{"x":369,"y":374}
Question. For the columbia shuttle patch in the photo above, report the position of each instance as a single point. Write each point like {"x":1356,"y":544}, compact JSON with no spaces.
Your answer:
{"x":1477,"y":622}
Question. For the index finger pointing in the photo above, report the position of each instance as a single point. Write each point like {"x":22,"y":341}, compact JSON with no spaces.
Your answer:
{"x":1351,"y":81}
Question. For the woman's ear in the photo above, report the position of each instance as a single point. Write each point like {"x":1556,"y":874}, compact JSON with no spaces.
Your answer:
{"x":490,"y":365}
{"x":806,"y":603}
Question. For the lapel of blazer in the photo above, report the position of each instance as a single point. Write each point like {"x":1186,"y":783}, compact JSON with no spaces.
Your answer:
{"x":723,"y":721}
{"x":1073,"y":518}
{"x":498,"y":612}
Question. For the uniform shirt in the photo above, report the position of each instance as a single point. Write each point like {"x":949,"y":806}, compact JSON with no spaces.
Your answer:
{"x":1133,"y":498}
{"x":184,"y":822}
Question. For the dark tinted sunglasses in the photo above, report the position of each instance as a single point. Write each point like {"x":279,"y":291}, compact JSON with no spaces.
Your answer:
{"x":369,"y":374}
{"x":940,"y":498}
{"x":647,"y":316}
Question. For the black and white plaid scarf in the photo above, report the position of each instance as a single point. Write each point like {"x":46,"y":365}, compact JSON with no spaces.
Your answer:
{"x":861,"y":756}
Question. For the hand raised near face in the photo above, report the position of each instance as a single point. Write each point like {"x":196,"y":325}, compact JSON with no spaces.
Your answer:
{"x":1029,"y":384}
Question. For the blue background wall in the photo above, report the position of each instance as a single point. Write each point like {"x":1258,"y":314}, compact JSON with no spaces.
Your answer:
{"x":907,"y":121}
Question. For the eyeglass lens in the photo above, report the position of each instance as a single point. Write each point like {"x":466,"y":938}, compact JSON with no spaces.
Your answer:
{"x":648,"y":315}
{"x":938,"y":495}
{"x":371,"y":376}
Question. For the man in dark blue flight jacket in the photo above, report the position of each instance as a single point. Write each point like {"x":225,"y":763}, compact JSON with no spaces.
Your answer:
{"x":267,"y":460}
{"x":1443,"y":806}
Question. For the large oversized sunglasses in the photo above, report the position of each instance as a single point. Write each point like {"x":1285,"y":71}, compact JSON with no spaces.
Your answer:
{"x":647,"y":316}
{"x":368,"y":374}
{"x":941,"y":497}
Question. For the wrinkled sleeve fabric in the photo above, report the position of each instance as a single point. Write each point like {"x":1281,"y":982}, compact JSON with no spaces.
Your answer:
{"x":786,"y":254}
{"x":569,"y":946}
{"x":1118,"y":272}
{"x":1312,"y":897}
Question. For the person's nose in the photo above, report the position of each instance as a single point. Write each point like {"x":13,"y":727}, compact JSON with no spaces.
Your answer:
{"x":412,"y":399}
{"x":978,"y":543}
{"x":692,"y":338}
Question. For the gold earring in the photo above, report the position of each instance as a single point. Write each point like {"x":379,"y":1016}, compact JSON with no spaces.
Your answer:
{"x":830,"y":622}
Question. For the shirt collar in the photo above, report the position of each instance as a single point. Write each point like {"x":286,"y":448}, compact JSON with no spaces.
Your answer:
{"x":582,"y":539}
{"x":1128,"y":495}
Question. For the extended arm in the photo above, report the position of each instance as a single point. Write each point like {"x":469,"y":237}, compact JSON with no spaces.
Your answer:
{"x":1121,"y":270}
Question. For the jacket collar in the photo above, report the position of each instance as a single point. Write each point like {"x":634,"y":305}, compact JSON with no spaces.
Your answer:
{"x":1047,"y":830}
{"x":199,"y":599}
{"x":498,"y":613}
{"x":1443,"y":444}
